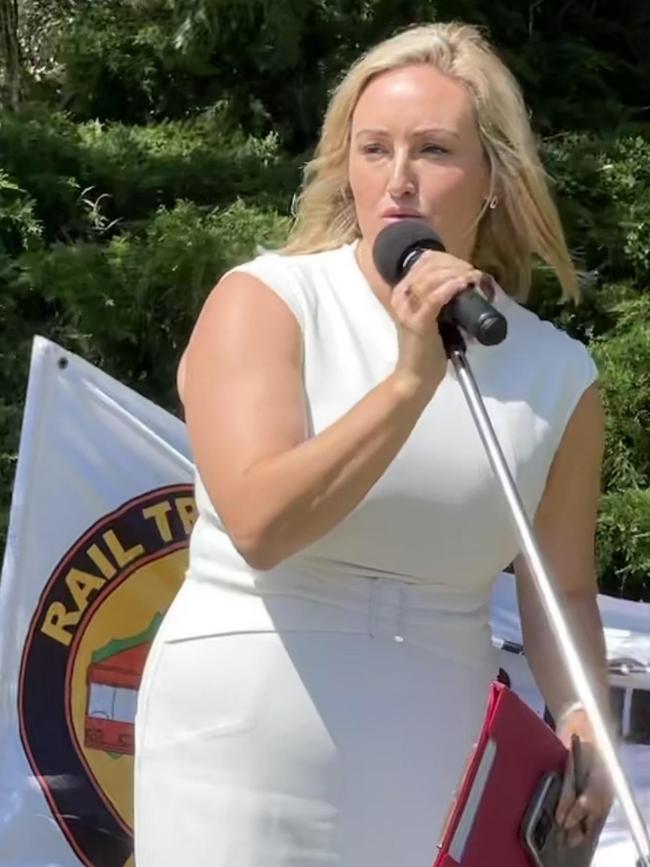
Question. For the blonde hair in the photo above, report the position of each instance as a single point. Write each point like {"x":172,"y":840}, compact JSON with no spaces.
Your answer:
{"x":524,"y":224}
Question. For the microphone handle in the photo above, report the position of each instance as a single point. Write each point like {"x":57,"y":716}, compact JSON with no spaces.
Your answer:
{"x":469,"y":310}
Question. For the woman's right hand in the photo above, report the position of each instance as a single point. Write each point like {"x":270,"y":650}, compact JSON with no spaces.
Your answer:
{"x":417,"y":301}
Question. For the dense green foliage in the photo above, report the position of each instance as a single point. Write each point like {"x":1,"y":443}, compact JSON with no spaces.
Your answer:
{"x":159,"y":142}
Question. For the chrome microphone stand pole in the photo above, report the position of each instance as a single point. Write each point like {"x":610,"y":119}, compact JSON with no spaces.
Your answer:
{"x":455,"y":348}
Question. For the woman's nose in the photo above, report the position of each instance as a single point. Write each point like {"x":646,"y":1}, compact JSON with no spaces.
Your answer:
{"x":402,"y":179}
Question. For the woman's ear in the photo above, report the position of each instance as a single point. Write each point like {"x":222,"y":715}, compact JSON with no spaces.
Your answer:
{"x":491,"y":184}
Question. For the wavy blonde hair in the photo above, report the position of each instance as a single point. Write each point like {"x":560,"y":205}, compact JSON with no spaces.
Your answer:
{"x":523,"y":225}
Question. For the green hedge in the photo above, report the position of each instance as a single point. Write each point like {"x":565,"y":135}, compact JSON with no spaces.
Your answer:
{"x":88,"y":176}
{"x":129,"y":304}
{"x":603,"y":185}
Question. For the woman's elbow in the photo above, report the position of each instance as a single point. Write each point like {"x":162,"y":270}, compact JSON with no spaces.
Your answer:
{"x":256,"y":535}
{"x":256,"y":550}
{"x":260,"y":559}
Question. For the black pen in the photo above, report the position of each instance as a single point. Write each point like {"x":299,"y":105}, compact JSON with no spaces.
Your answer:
{"x":578,"y":774}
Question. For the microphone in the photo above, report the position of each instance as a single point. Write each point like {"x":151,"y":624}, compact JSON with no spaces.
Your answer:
{"x":398,"y":247}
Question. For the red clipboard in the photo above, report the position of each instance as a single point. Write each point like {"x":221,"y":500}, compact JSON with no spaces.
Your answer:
{"x":515,"y":747}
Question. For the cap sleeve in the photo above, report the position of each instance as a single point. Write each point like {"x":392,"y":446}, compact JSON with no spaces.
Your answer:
{"x":275,"y":271}
{"x":580,"y":372}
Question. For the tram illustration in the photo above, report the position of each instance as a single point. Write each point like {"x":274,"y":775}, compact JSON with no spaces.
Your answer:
{"x":112,"y":680}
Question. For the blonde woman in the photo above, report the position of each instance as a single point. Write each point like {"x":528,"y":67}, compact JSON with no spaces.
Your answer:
{"x":317,"y":684}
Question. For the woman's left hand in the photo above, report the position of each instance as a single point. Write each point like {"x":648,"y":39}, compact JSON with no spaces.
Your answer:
{"x":583,"y":816}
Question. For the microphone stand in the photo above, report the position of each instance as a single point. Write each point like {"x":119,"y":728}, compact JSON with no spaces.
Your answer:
{"x":455,"y":348}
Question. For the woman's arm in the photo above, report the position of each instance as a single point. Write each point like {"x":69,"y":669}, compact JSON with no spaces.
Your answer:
{"x":275,"y":488}
{"x":565,"y":528}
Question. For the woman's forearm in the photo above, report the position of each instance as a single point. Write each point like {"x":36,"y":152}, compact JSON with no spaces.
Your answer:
{"x":547,"y":663}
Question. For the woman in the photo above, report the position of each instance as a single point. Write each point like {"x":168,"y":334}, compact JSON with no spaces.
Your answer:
{"x":317,"y":684}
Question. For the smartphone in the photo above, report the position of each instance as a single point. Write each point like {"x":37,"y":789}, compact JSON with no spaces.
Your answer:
{"x":542,"y":837}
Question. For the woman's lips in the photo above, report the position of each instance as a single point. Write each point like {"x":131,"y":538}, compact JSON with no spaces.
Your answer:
{"x":401,"y":215}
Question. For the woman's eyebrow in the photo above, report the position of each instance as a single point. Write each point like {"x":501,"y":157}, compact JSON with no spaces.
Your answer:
{"x":418,"y":132}
{"x":436,"y":130}
{"x":371,"y":132}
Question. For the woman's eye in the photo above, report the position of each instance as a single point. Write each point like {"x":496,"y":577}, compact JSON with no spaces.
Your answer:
{"x":373,"y":149}
{"x":434,"y":149}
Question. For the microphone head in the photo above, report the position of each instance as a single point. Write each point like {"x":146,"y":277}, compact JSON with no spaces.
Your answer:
{"x":396,"y":240}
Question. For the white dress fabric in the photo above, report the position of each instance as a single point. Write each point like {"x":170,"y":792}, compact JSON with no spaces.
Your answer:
{"x":321,"y":712}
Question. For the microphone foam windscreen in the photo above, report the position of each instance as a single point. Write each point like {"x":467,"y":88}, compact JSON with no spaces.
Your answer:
{"x":396,"y":241}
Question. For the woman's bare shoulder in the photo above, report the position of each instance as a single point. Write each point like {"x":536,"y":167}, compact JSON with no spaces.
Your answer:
{"x":239,"y":302}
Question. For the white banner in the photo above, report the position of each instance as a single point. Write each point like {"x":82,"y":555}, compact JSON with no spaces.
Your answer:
{"x":97,"y":546}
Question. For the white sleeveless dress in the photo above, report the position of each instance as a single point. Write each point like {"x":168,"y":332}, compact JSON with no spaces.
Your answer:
{"x":321,"y":712}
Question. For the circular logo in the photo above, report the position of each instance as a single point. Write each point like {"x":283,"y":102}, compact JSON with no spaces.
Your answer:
{"x":82,"y":664}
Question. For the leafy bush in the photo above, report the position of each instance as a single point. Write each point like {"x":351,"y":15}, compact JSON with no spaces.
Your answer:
{"x":116,"y":62}
{"x":19,"y":228}
{"x":129,"y":305}
{"x":623,"y":359}
{"x":603,"y":189}
{"x":203,"y":160}
{"x":134,"y":170}
{"x":623,"y":543}
{"x":53,"y":180}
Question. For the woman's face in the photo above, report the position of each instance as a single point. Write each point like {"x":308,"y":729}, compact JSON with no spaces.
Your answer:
{"x":415,"y":151}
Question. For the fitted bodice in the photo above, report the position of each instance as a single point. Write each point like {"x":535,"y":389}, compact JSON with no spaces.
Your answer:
{"x":437,"y":515}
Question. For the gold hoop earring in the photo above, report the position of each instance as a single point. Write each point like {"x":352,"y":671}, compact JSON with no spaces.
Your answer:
{"x":492,"y":202}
